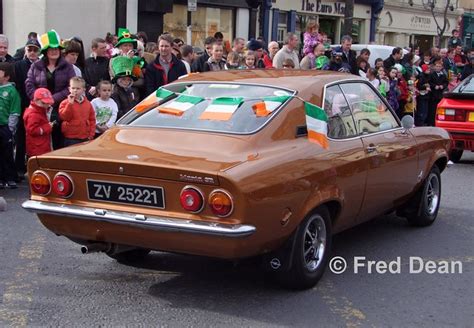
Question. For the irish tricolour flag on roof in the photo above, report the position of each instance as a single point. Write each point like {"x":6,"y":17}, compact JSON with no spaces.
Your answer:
{"x":179,"y":105}
{"x":221,"y":109}
{"x":317,"y":124}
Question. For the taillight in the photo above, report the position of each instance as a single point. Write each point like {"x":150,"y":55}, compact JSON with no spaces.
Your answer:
{"x":40,"y":183}
{"x":191,"y":199}
{"x":444,"y":114}
{"x":221,"y":203}
{"x":62,"y":185}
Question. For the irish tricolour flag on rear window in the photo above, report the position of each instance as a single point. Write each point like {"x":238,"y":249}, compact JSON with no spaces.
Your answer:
{"x":268,"y":105}
{"x":153,"y":99}
{"x":221,"y":109}
{"x":179,"y":105}
{"x":317,"y":124}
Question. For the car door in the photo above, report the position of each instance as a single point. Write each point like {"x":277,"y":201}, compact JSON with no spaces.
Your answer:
{"x":390,"y":150}
{"x":348,"y":156}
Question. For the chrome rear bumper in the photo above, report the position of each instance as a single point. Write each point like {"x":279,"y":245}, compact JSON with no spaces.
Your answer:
{"x":139,"y":220}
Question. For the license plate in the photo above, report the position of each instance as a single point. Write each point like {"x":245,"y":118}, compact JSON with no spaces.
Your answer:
{"x":123,"y":193}
{"x":471,"y":117}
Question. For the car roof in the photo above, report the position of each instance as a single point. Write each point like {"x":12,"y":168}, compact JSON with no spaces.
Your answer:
{"x":296,"y":80}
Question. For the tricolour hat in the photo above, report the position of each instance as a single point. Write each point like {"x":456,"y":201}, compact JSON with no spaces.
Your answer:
{"x":124,"y":36}
{"x":44,"y":95}
{"x":122,"y":66}
{"x":50,"y":39}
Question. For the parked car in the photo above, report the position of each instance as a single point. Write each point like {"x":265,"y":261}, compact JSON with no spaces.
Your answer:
{"x":376,"y":51}
{"x":455,"y":113}
{"x":228,"y":165}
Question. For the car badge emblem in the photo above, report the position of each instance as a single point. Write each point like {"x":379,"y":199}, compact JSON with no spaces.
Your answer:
{"x":275,"y":263}
{"x":132,"y":157}
{"x":120,"y":169}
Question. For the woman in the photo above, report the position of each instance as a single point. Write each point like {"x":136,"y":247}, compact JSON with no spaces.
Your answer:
{"x":52,"y":72}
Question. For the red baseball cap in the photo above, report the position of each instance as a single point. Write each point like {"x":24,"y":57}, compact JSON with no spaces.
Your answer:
{"x":44,"y":95}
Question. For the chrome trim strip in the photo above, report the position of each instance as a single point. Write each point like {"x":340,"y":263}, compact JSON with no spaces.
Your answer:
{"x":141,"y":221}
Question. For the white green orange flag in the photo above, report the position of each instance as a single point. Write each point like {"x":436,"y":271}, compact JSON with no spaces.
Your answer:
{"x":268,"y":105}
{"x":221,"y":109}
{"x":179,"y":105}
{"x":317,"y":124}
{"x":153,"y":99}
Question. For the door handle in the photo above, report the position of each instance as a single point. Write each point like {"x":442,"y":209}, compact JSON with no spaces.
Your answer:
{"x":371,"y":149}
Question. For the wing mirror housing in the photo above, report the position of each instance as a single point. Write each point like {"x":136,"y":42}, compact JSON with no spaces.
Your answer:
{"x":407,"y":122}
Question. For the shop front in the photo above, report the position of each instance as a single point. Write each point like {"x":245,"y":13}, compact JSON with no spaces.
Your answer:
{"x":231,"y":18}
{"x":415,"y":27}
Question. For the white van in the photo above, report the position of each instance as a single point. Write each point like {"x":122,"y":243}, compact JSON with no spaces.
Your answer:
{"x":376,"y":51}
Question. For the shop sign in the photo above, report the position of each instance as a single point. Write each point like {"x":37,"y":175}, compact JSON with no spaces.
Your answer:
{"x":319,"y":7}
{"x":420,"y":22}
{"x":192,"y":5}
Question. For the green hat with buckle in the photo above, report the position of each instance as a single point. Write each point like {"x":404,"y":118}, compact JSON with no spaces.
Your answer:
{"x":122,"y":66}
{"x":50,"y":39}
{"x":124,"y":36}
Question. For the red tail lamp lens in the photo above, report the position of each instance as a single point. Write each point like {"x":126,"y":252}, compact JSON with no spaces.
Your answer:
{"x":191,"y":200}
{"x":40,"y":183}
{"x":221,"y":203}
{"x":62,"y":185}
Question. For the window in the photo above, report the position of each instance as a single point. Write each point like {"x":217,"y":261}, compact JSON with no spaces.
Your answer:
{"x":369,"y":111}
{"x":340,"y":121}
{"x":243,"y":119}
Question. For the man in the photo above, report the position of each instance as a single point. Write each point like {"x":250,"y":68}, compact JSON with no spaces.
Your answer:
{"x":198,"y":65}
{"x":238,"y":46}
{"x":96,"y":67}
{"x":20,"y":52}
{"x":468,"y":68}
{"x":393,"y":59}
{"x":187,"y":56}
{"x":348,"y":55}
{"x":32,"y":51}
{"x":288,"y":51}
{"x":166,"y":68}
{"x":460,"y":60}
{"x":273,"y":48}
{"x":4,"y":56}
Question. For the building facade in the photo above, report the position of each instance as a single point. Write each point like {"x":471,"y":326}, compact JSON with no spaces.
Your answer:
{"x":406,"y":23}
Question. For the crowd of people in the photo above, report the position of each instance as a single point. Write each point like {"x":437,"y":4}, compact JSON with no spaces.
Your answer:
{"x":54,"y":97}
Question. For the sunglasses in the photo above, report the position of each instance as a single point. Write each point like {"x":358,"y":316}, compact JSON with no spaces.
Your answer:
{"x":32,"y":49}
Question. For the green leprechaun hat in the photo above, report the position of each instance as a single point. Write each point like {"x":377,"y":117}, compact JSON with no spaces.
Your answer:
{"x":124,"y":36}
{"x":122,"y":66}
{"x":50,"y":39}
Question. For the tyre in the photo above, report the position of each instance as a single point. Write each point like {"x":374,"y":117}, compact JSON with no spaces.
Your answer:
{"x":310,"y":253}
{"x":428,"y":198}
{"x":455,"y":155}
{"x":130,"y":256}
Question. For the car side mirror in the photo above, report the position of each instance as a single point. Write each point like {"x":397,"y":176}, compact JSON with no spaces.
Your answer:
{"x":408,"y":122}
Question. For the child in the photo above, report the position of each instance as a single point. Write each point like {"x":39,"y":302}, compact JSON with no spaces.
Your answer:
{"x":402,"y":87}
{"x":423,"y":98}
{"x":438,"y":84}
{"x":362,"y":67}
{"x":105,"y":108}
{"x":249,"y":60}
{"x":288,"y":64}
{"x":37,"y":125}
{"x":215,"y":62}
{"x":77,"y":114}
{"x":310,"y":39}
{"x":10,"y":110}
{"x":378,"y":63}
{"x":393,"y":91}
{"x":372,"y":77}
{"x":124,"y":93}
{"x":233,"y":60}
{"x":410,"y":104}
{"x":384,"y":82}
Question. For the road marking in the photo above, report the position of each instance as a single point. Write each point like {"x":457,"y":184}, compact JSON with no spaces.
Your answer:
{"x":341,"y":306}
{"x":18,"y":294}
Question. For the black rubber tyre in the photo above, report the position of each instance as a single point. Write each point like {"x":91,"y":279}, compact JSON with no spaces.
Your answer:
{"x":455,"y":155}
{"x":310,"y":252}
{"x":428,"y":199}
{"x":133,"y":255}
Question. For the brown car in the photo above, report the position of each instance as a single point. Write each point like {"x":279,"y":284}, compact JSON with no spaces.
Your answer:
{"x":221,"y":164}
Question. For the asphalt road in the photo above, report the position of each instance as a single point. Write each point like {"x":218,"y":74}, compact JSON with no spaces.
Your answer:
{"x":46,"y":281}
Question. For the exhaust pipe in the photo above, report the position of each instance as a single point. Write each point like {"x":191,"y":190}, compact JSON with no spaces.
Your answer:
{"x":95,"y":248}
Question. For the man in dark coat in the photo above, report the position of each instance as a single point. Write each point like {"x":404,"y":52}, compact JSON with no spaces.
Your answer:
{"x":4,"y":56}
{"x":166,"y":68}
{"x":32,"y":51}
{"x":393,"y":59}
{"x":198,"y":65}
{"x":468,"y":69}
{"x":438,"y":84}
{"x":348,"y":56}
{"x":96,"y":67}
